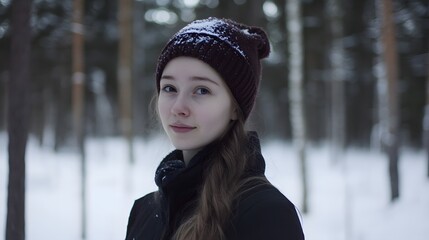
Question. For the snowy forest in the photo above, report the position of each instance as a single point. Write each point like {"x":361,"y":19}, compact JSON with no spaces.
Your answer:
{"x":344,"y":99}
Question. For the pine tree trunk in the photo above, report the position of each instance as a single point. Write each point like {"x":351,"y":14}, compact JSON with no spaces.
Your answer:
{"x":140,"y":116}
{"x":18,"y":116}
{"x":338,"y":101}
{"x":296,"y":90}
{"x":389,"y":54}
{"x":336,"y":58}
{"x":125,"y":73}
{"x":426,"y":122}
{"x":78,"y":98}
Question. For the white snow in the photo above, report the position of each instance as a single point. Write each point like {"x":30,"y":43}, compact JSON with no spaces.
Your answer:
{"x":348,"y":200}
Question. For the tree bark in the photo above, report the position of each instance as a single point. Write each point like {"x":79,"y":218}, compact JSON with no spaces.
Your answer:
{"x":125,"y":73}
{"x":389,"y":55}
{"x":78,"y":98}
{"x":338,"y":100}
{"x":139,"y":91}
{"x":426,"y":123}
{"x":296,"y":91}
{"x":336,"y":59}
{"x":18,"y":116}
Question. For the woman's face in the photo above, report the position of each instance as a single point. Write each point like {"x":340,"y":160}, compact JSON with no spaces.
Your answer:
{"x":194,"y":104}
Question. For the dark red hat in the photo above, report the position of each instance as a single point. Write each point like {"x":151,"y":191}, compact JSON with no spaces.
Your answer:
{"x":234,"y":50}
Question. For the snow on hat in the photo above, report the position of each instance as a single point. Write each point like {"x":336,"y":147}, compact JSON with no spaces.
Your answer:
{"x":234,"y":50}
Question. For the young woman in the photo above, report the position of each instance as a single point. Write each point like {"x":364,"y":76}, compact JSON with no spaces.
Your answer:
{"x":213,"y":185}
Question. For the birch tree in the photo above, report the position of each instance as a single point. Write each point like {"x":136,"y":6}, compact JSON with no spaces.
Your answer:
{"x":296,"y":92}
{"x":18,"y":116}
{"x":78,"y":98}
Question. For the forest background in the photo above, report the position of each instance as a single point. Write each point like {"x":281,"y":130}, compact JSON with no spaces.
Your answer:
{"x":155,"y":21}
{"x":339,"y":73}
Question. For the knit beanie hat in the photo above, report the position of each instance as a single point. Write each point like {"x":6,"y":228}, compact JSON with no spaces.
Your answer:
{"x":234,"y":50}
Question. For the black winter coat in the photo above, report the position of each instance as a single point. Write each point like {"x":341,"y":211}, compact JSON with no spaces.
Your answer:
{"x":261,"y":213}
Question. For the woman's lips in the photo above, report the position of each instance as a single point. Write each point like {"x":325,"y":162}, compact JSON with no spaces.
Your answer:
{"x":180,"y":128}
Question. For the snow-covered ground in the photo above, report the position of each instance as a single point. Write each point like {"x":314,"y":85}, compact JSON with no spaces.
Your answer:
{"x":348,"y":200}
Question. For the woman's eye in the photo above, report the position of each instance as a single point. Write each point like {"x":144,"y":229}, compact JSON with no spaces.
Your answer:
{"x":168,"y":89}
{"x":202,"y":91}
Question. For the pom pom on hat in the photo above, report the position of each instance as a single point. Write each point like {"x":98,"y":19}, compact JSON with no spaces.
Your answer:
{"x":234,"y":50}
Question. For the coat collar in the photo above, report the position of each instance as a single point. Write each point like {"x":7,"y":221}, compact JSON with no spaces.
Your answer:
{"x":179,"y":184}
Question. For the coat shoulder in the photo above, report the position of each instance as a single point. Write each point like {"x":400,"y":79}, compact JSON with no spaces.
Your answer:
{"x":143,"y":206}
{"x":144,"y":217}
{"x":146,"y":200}
{"x":265,"y":213}
{"x":264,"y":195}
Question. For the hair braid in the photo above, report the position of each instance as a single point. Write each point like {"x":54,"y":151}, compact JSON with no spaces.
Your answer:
{"x":223,"y":182}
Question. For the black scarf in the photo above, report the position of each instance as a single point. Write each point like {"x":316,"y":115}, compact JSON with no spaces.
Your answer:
{"x":179,"y":185}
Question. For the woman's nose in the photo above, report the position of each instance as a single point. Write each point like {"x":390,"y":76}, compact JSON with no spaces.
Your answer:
{"x":180,"y":107}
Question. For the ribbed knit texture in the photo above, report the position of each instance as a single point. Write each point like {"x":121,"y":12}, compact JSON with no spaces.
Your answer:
{"x":234,"y":50}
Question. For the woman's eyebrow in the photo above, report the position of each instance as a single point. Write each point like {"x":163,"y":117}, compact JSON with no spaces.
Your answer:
{"x":197,"y":78}
{"x":167,"y":77}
